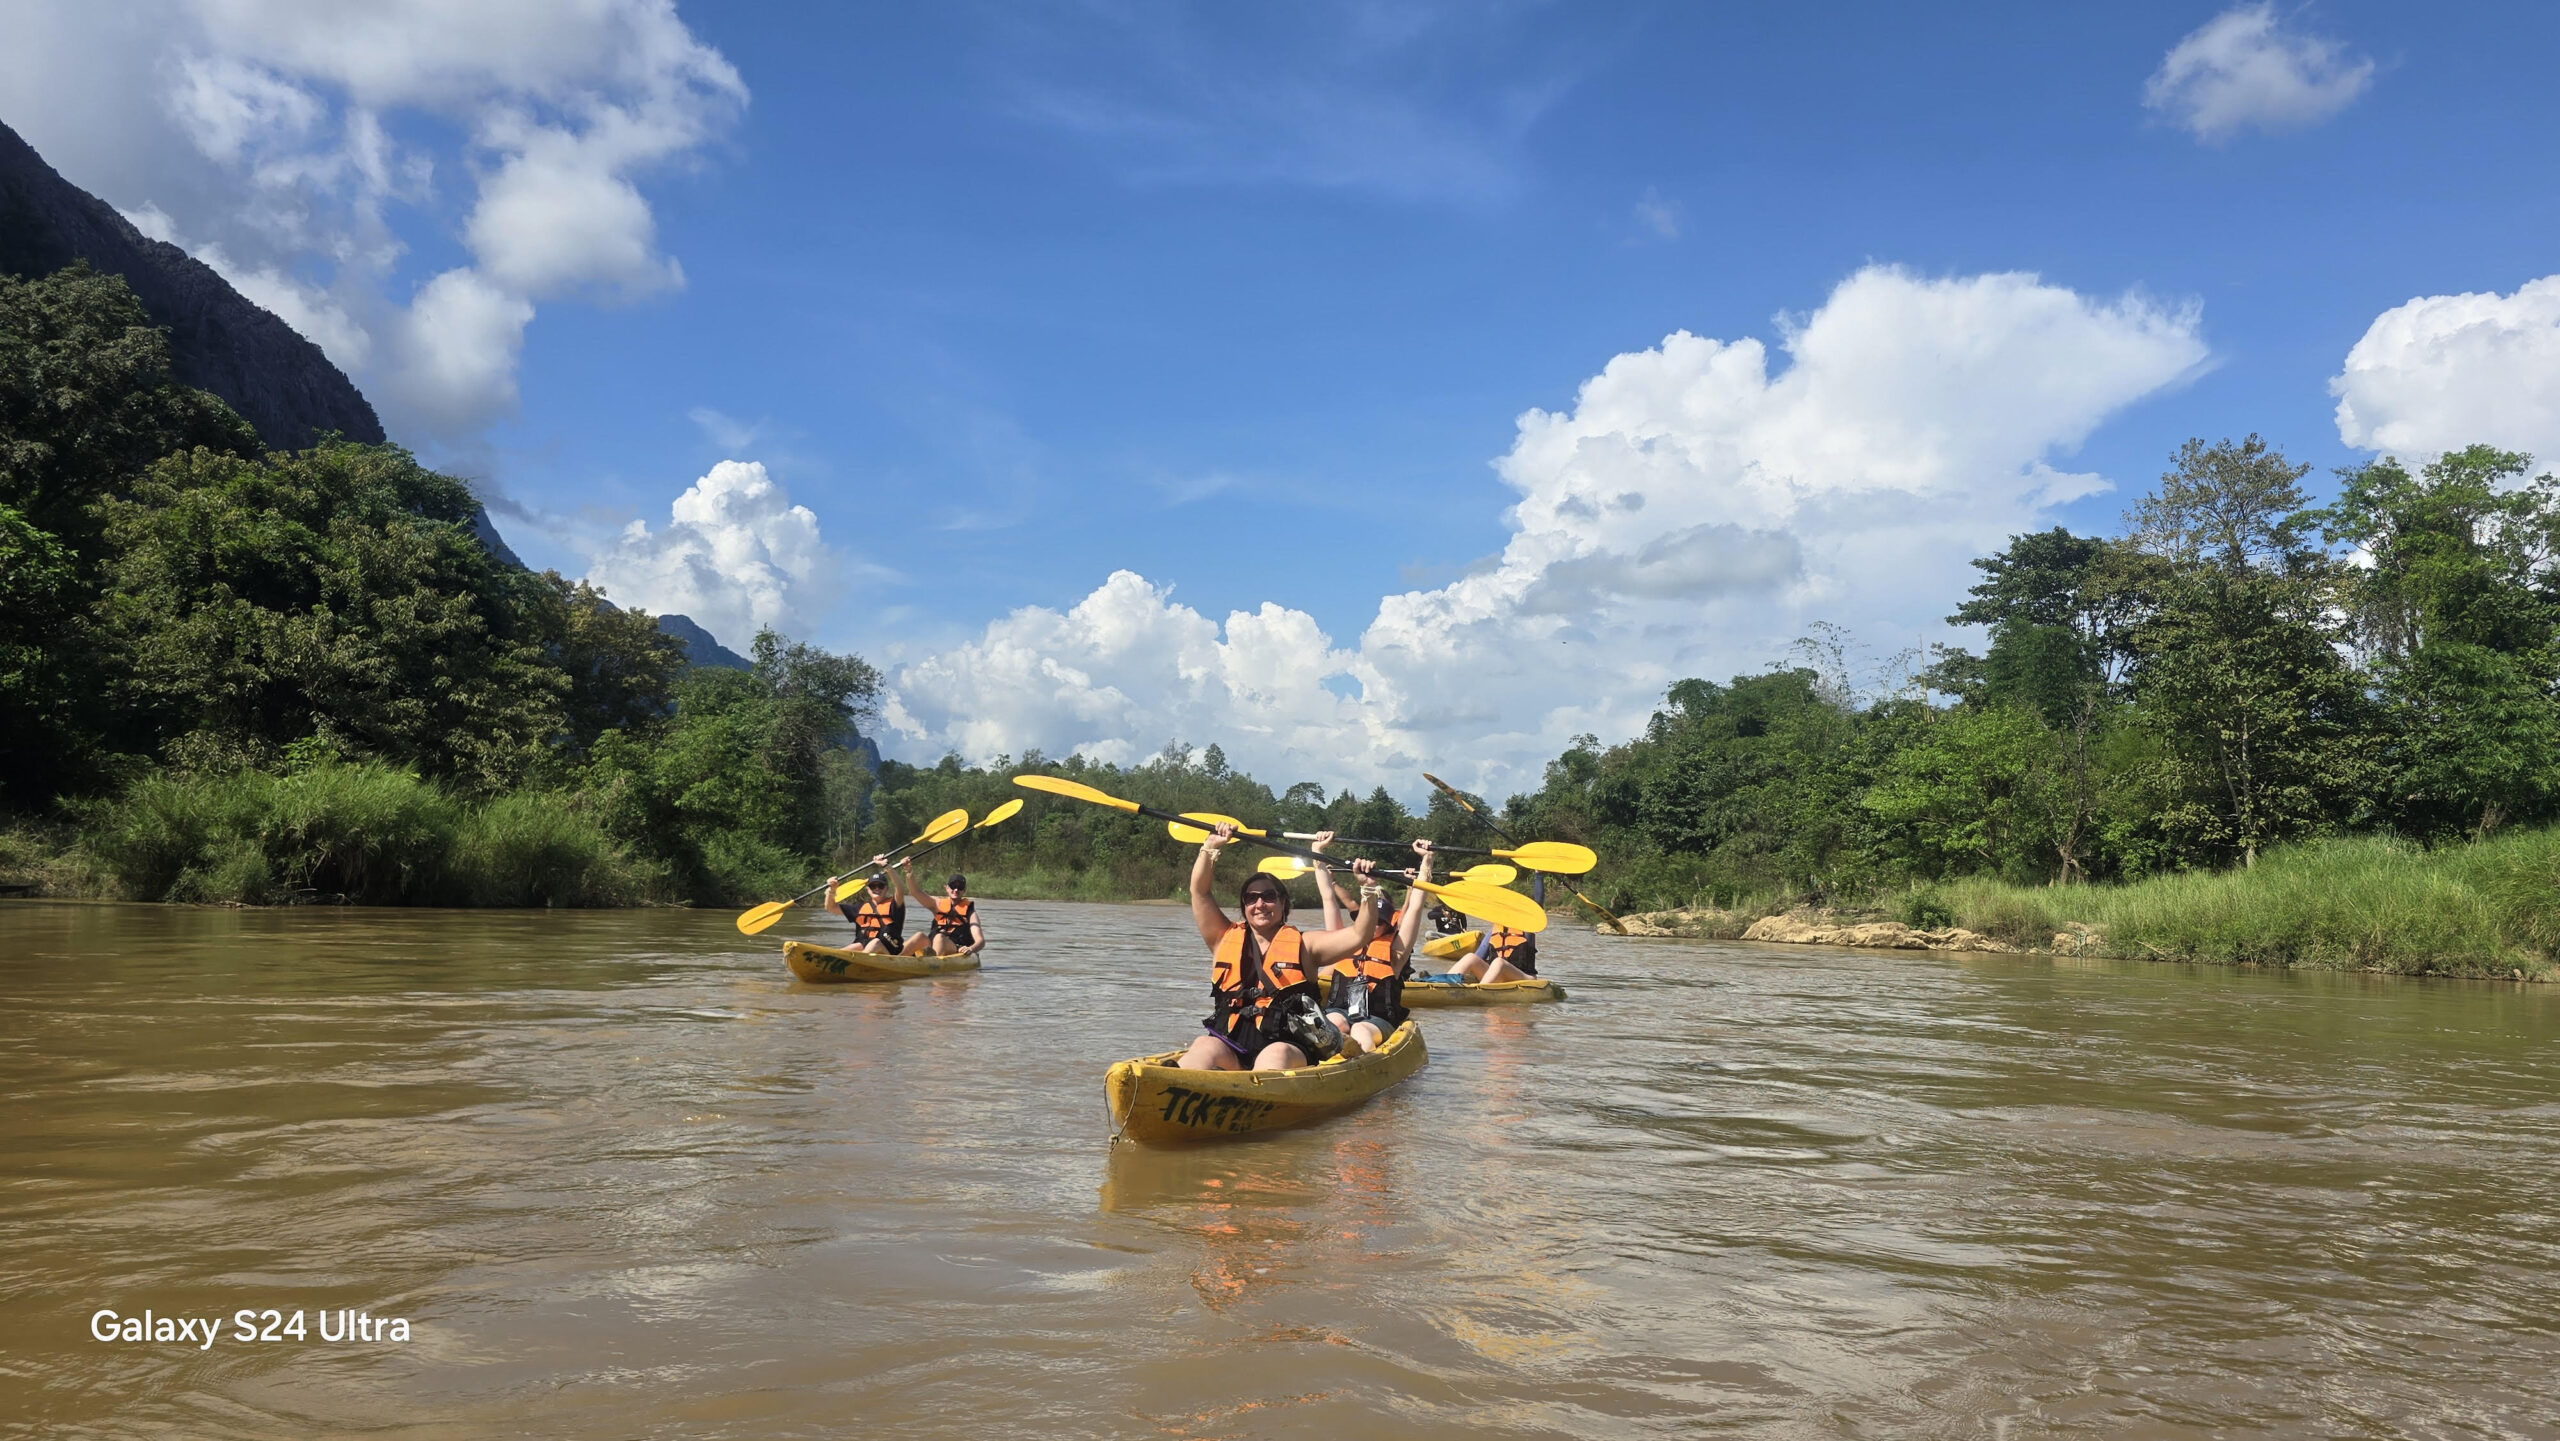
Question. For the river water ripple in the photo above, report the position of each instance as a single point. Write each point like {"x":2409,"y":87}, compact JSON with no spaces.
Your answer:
{"x":625,"y":1177}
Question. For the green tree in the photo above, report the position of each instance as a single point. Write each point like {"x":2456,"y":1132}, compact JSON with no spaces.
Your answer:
{"x":2458,"y":611}
{"x":86,"y":402}
{"x":2260,"y":724}
{"x":818,"y":698}
{"x":2233,"y":504}
{"x":1982,"y":788}
{"x":86,"y":406}
{"x":336,"y":592}
{"x":2258,"y":719}
{"x":621,"y":668}
{"x":2062,"y":610}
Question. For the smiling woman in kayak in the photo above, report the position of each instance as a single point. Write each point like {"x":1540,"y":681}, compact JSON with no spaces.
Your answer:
{"x":1262,"y":967}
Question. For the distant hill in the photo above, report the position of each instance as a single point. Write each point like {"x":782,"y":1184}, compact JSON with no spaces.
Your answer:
{"x":219,"y":340}
{"x":700,"y":647}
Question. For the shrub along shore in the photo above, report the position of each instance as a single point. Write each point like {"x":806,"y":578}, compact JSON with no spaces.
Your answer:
{"x":2490,"y":910}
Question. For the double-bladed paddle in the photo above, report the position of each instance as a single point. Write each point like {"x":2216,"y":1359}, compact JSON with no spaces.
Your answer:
{"x":1000,"y":814}
{"x":761,"y":919}
{"x":946,"y":828}
{"x":1557,"y":858}
{"x":1486,"y":821}
{"x":1492,"y":874}
{"x":1505,"y":908}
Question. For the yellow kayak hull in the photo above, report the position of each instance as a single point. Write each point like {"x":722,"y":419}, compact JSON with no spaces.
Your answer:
{"x":1449,"y":948}
{"x":825,"y":965}
{"x":1156,"y":1102}
{"x":1425,"y":994}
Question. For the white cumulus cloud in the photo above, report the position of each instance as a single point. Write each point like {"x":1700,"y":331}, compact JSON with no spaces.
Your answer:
{"x":2247,"y":67}
{"x":1691,"y":514}
{"x":257,"y":133}
{"x":736,"y":555}
{"x":2445,"y":371}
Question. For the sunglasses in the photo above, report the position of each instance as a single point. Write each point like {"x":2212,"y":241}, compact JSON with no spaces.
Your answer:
{"x":1276,"y":898}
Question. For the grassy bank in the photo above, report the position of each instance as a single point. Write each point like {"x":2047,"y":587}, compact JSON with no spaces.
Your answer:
{"x":337,"y":833}
{"x":2486,"y":909}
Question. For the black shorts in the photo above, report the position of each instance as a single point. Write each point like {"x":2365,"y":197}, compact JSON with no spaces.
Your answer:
{"x":1247,"y":1041}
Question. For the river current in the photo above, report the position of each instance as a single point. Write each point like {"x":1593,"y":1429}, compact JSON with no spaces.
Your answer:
{"x":622,"y":1176}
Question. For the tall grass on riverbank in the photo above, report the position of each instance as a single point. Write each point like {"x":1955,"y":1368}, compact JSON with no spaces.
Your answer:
{"x":367,"y":834}
{"x":2489,"y":908}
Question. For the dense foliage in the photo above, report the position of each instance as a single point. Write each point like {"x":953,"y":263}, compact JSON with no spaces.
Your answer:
{"x":258,"y":676}
{"x":255,"y":676}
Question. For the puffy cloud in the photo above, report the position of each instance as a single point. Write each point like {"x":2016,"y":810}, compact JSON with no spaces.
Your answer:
{"x":2445,"y":371}
{"x":563,"y":105}
{"x":2245,"y":67}
{"x":736,"y":555}
{"x":1691,"y":514}
{"x":457,"y":347}
{"x":1126,"y":669}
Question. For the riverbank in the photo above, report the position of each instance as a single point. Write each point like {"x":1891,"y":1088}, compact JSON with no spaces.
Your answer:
{"x":2488,"y":910}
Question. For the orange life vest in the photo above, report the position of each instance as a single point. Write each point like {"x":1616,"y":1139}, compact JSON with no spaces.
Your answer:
{"x":1518,"y":947}
{"x":1373,"y":975}
{"x":953,"y":918}
{"x":1376,"y":960}
{"x":1241,"y":985}
{"x":878,"y":919}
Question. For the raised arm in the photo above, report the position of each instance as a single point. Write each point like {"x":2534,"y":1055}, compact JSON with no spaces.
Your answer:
{"x":1409,"y":930}
{"x":1213,"y":923}
{"x":1326,"y":947}
{"x":1326,"y":891}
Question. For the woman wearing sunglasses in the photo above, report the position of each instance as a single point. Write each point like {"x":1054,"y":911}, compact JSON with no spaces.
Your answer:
{"x":1262,"y":969}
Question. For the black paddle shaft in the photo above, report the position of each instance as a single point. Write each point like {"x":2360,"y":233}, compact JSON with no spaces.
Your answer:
{"x":1408,"y":845}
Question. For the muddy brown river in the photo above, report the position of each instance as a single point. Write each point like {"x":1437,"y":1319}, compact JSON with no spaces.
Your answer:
{"x":619,"y":1175}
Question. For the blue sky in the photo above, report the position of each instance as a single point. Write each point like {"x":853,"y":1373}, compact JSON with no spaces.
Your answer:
{"x":1248,"y":301}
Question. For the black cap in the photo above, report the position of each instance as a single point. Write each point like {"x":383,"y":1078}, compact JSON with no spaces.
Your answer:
{"x":879,"y":878}
{"x":959,"y":882}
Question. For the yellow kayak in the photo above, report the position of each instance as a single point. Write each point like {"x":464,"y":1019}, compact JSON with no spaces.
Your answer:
{"x":1425,"y":994}
{"x":1154,"y":1101}
{"x":830,"y":963}
{"x":1449,"y":948}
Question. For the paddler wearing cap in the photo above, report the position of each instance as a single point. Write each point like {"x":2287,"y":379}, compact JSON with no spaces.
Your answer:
{"x":879,"y":917}
{"x":1265,"y":1012}
{"x":955,"y":930}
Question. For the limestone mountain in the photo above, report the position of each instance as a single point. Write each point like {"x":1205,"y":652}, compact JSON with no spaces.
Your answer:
{"x":219,"y":340}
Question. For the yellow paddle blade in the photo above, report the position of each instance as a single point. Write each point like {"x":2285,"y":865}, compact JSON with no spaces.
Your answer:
{"x":1004,"y":812}
{"x":761,"y":919}
{"x":944,"y":827}
{"x":1283,"y":866}
{"x":848,"y":890}
{"x":1556,"y":858}
{"x":1492,"y":873}
{"x":1193,"y":835}
{"x":1508,"y":909}
{"x":1060,"y":786}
